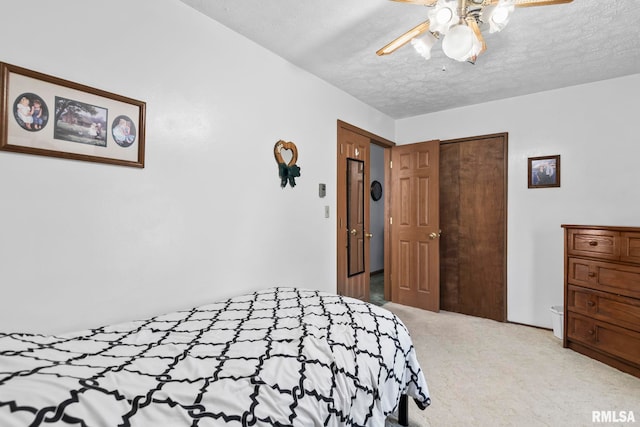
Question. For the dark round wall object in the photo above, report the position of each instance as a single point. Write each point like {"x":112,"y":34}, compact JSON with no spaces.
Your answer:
{"x":376,"y":191}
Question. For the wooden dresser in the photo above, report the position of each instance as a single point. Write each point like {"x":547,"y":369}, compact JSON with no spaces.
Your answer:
{"x":602,"y":294}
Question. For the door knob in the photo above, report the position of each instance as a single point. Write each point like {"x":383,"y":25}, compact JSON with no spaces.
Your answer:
{"x":369,"y":235}
{"x":354,"y":232}
{"x":435,"y":235}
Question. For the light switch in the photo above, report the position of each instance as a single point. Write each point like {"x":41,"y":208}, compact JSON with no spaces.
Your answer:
{"x":326,"y":211}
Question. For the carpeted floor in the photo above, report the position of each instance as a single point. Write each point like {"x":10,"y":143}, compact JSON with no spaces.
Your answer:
{"x":376,"y":292}
{"x":486,"y":373}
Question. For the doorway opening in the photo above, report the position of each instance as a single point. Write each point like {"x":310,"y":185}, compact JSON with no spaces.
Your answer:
{"x":354,"y":146}
{"x":377,"y":219}
{"x":475,"y":172}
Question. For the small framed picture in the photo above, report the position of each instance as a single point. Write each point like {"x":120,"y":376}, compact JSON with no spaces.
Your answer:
{"x":544,"y":171}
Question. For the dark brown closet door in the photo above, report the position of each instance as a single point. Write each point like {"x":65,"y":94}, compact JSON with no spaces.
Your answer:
{"x":473,"y":195}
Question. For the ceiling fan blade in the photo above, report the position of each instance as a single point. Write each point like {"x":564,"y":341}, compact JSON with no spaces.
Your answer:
{"x":422,"y":2}
{"x":473,"y":24}
{"x":529,"y":3}
{"x":404,"y":39}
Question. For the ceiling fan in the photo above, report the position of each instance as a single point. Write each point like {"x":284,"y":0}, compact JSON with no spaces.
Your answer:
{"x":458,"y":23}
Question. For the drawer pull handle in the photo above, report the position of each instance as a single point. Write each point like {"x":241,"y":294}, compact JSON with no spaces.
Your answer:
{"x":591,"y":332}
{"x":593,"y":243}
{"x":592,"y":274}
{"x":591,"y":303}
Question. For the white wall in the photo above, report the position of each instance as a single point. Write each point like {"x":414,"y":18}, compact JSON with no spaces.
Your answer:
{"x":376,"y":209}
{"x":85,"y":244}
{"x":593,"y":128}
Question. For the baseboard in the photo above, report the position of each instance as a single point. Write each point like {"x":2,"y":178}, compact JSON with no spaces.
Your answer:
{"x":531,"y":326}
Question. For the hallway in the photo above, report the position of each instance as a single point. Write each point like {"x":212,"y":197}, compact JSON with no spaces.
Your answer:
{"x":377,"y":288}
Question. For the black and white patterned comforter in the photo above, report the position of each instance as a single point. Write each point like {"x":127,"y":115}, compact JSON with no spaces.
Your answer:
{"x":278,"y":357}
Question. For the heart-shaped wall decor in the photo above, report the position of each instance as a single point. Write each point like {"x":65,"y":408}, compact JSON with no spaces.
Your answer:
{"x":285,"y":145}
{"x":288,"y":171}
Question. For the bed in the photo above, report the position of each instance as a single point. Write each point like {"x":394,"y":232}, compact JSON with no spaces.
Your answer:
{"x":276,"y":357}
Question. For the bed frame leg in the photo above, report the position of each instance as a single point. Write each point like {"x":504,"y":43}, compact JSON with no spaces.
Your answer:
{"x":403,"y":411}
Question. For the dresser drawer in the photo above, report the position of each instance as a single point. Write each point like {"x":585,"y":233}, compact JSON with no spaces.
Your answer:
{"x":603,"y":244}
{"x":604,"y":276}
{"x":604,"y":306}
{"x":630,"y":247}
{"x":602,"y":336}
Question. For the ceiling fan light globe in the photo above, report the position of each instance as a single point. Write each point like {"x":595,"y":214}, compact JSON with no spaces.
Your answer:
{"x":423,"y":44}
{"x":499,"y":16}
{"x":443,"y":16}
{"x":461,"y":43}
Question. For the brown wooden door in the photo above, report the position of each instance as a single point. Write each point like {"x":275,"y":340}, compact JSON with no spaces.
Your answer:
{"x":415,"y":225}
{"x":353,"y":266}
{"x":473,"y":189}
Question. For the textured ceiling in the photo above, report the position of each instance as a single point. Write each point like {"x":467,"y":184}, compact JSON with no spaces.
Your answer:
{"x":542,"y":48}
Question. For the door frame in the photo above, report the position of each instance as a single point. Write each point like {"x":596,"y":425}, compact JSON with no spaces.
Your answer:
{"x":341,"y":206}
{"x":341,"y":202}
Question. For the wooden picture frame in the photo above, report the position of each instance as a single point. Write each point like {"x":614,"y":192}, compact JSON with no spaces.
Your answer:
{"x":544,"y":171}
{"x":49,"y":116}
